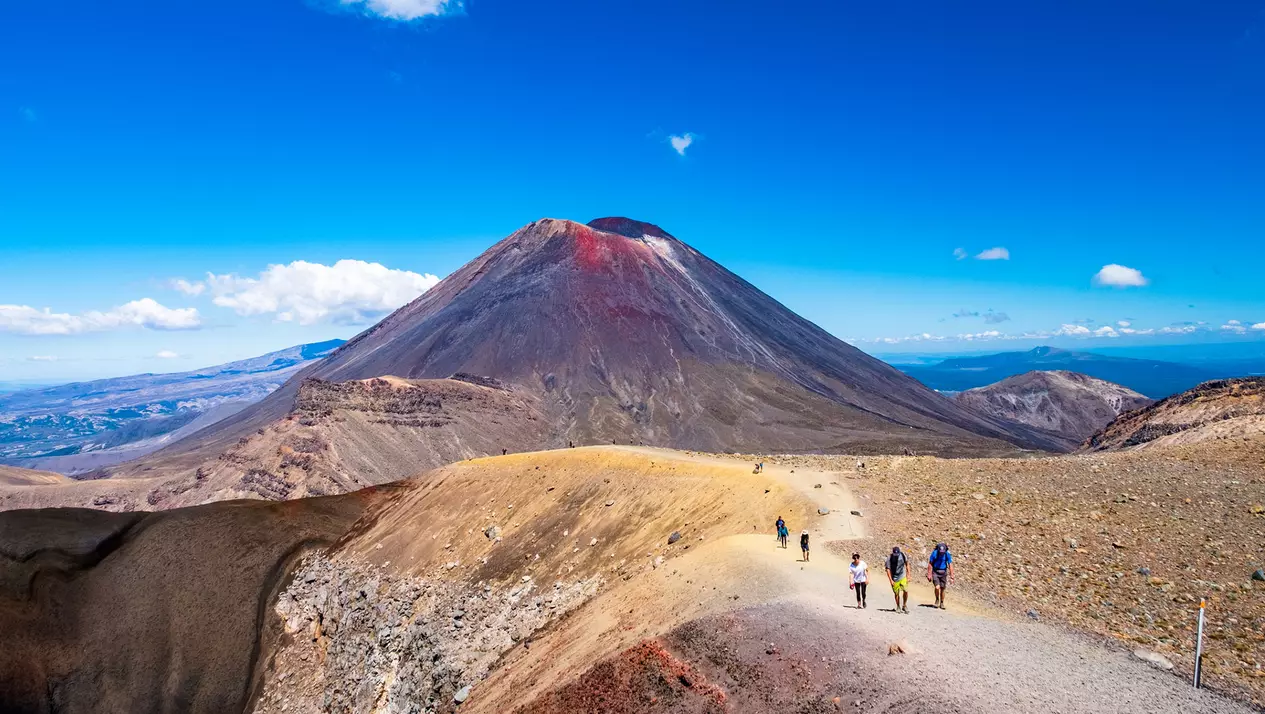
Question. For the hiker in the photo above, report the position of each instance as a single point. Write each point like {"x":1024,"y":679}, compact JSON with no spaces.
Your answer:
{"x":940,"y":571}
{"x":895,"y":567}
{"x":803,"y":544}
{"x":860,"y":578}
{"x":782,"y":531}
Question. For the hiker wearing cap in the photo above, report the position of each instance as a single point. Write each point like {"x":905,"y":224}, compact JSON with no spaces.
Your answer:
{"x":897,"y":567}
{"x":782,"y":531}
{"x":940,"y":571}
{"x":860,"y":578}
{"x":803,"y":544}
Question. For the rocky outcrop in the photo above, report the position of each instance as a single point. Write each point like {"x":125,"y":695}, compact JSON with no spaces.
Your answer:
{"x":1216,"y":409}
{"x":364,"y":638}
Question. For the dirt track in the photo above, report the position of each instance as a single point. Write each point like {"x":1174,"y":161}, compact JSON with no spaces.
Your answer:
{"x":968,"y":658}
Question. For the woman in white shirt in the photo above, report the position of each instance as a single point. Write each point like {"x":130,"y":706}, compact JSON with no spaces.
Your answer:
{"x":860,"y":578}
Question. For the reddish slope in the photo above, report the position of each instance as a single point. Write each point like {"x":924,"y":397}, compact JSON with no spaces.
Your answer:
{"x":628,"y":334}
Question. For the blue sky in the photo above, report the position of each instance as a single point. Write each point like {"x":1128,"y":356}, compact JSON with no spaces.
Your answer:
{"x":839,"y":154}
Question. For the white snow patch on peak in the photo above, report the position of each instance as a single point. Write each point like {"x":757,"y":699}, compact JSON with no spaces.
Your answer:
{"x":661,"y":247}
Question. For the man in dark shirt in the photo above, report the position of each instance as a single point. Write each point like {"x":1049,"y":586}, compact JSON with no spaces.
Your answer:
{"x":897,"y":569}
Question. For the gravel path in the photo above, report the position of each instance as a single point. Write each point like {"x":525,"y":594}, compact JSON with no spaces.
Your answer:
{"x":972,"y":656}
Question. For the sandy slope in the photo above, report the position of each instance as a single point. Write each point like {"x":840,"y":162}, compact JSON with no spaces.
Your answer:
{"x":13,"y":476}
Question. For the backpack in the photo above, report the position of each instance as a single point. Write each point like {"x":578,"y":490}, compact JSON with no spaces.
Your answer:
{"x":939,"y":561}
{"x":892,"y":562}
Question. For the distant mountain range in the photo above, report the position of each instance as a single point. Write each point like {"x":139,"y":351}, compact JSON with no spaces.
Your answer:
{"x":73,"y":428}
{"x":1154,"y":378}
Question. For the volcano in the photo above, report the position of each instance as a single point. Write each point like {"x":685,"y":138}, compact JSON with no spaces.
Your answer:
{"x":620,"y":332}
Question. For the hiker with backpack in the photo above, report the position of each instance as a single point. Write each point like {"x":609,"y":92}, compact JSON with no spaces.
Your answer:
{"x":860,"y":578}
{"x":783,"y":533}
{"x":940,"y":571}
{"x":803,"y":544}
{"x":897,"y":567}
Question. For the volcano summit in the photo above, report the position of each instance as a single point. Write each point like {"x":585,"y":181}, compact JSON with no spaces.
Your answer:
{"x":617,"y":331}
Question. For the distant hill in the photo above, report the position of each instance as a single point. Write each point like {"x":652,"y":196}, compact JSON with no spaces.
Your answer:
{"x":1069,"y":404}
{"x":1152,"y":378}
{"x":1220,"y":409}
{"x":78,"y":427}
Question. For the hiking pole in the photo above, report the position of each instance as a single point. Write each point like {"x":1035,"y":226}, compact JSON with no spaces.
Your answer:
{"x":1199,"y":645}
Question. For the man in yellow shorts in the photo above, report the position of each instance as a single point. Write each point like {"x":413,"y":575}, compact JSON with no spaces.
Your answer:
{"x":897,"y":569}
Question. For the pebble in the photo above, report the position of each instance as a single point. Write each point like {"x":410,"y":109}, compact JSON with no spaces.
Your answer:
{"x":1153,"y":658}
{"x":462,"y":694}
{"x":676,"y":535}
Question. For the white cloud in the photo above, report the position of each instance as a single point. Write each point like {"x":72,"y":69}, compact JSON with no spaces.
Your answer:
{"x":42,"y":358}
{"x":406,"y":10}
{"x":347,"y":292}
{"x":681,"y":143}
{"x":1179,"y":329}
{"x":997,"y":253}
{"x":1235,"y":327}
{"x":186,"y":287}
{"x":1072,"y":330}
{"x":1123,"y":323}
{"x":960,"y":253}
{"x":1132,"y":331}
{"x":1106,"y":331}
{"x":1233,"y":322}
{"x":146,"y":312}
{"x":1119,"y":276}
{"x":167,"y":354}
{"x":1259,"y":326}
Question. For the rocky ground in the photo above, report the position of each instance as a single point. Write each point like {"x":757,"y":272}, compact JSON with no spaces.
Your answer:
{"x":1121,"y":545}
{"x":643,"y":580}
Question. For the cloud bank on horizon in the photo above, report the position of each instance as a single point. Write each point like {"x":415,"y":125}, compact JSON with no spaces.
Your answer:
{"x":144,"y":313}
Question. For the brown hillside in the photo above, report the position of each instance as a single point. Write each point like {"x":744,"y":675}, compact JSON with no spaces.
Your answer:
{"x":1069,"y":405}
{"x":1223,"y":408}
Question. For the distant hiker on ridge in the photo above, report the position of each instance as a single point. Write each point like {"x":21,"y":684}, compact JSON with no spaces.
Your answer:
{"x":860,"y":578}
{"x":803,"y":544}
{"x":782,"y":531}
{"x":940,"y":571}
{"x":896,"y":568}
